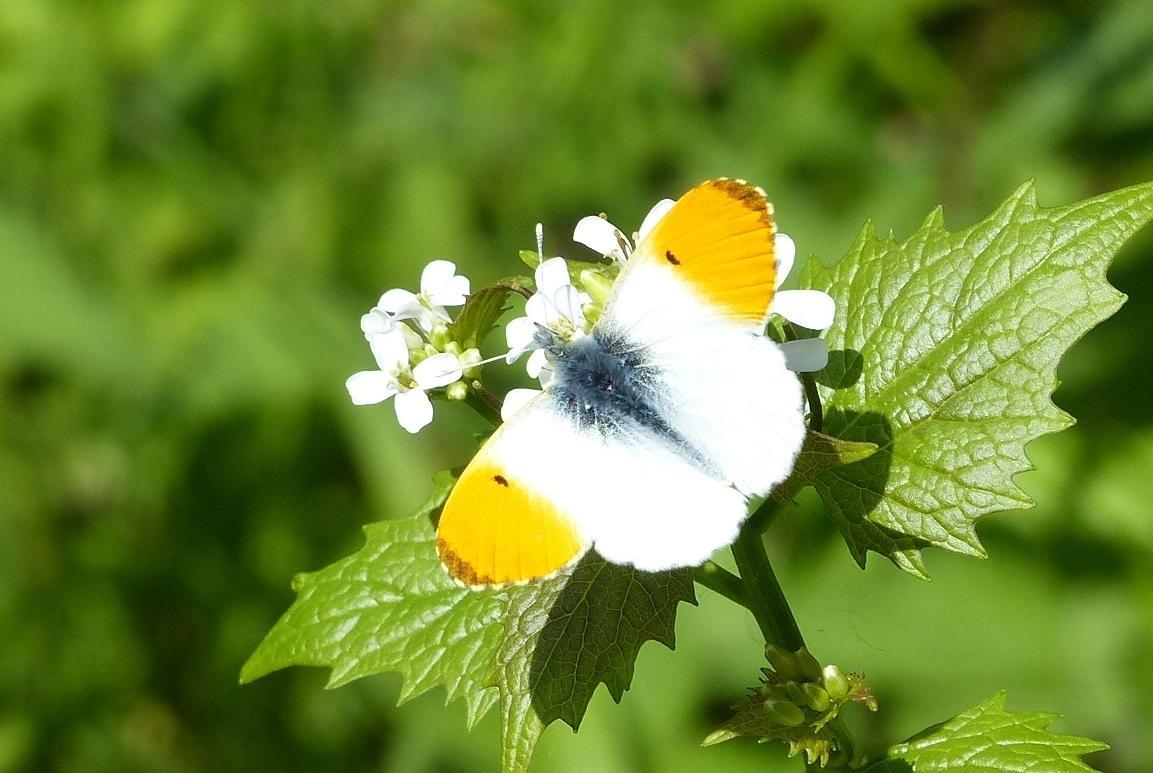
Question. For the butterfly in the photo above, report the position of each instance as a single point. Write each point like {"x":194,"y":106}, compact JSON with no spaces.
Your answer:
{"x":658,"y":427}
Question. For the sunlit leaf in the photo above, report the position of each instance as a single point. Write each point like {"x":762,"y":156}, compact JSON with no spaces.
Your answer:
{"x":958,"y":335}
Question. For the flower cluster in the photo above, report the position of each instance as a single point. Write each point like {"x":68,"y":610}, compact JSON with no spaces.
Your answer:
{"x":411,"y":336}
{"x":412,"y":362}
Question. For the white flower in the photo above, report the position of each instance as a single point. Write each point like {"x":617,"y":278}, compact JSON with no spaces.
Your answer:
{"x":810,"y":309}
{"x":396,"y":378}
{"x":378,"y":321}
{"x":556,"y":306}
{"x":439,"y":287}
{"x":599,"y":235}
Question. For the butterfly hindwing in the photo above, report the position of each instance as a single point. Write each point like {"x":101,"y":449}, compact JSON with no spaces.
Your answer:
{"x":626,"y":492}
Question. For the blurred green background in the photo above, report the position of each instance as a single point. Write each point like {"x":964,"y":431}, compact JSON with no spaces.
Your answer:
{"x":198,"y":198}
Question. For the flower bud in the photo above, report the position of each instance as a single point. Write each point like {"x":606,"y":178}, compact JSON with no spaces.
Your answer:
{"x":440,"y":337}
{"x":816,"y":698}
{"x":470,"y":357}
{"x":835,"y":681}
{"x":782,"y":662}
{"x":809,"y":667}
{"x":784,"y":713}
{"x":457,"y":390}
{"x":597,"y":285}
{"x":796,"y":694}
{"x":452,"y":347}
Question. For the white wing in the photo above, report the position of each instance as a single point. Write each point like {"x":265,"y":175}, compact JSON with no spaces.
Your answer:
{"x":628,"y":490}
{"x":724,"y":389}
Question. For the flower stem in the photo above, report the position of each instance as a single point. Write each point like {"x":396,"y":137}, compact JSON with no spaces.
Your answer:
{"x":483,"y":402}
{"x":720,"y":580}
{"x":766,"y":599}
{"x":812,"y":396}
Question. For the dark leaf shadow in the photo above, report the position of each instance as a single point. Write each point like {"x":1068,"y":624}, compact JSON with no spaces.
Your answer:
{"x":851,"y":492}
{"x":595,"y":628}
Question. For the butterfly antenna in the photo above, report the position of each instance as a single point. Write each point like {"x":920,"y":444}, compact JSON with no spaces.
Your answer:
{"x":540,"y":241}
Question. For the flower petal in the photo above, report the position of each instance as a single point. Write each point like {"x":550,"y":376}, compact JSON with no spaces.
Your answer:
{"x":518,"y":334}
{"x":413,"y":410}
{"x":599,"y":235}
{"x":537,"y":361}
{"x":546,"y":375}
{"x":402,"y":304}
{"x":551,"y":275}
{"x":369,"y":387}
{"x":437,"y":277}
{"x":540,"y":310}
{"x":376,"y":321}
{"x":454,"y":293}
{"x":389,"y":349}
{"x":567,"y":302}
{"x":659,"y":210}
{"x":437,"y":371}
{"x":808,"y":308}
{"x":785,"y":252}
{"x":807,"y":355}
{"x":515,"y":400}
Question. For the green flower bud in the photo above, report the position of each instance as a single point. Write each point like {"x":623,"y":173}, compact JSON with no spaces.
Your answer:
{"x":784,"y":713}
{"x":816,"y":698}
{"x":457,"y":390}
{"x":809,"y":667}
{"x":796,"y":694}
{"x":470,"y":357}
{"x":452,"y":347}
{"x":782,"y":662}
{"x":836,"y":683}
{"x":416,"y":356}
{"x":440,"y":338}
{"x":597,"y":285}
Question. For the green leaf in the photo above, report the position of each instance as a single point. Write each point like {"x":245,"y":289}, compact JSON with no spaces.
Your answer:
{"x":545,"y":645}
{"x":944,"y":351}
{"x":391,"y":607}
{"x":988,"y":738}
{"x":819,"y":453}
{"x":479,"y":315}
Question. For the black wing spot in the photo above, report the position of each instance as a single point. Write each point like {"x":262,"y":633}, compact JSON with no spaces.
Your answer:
{"x":671,"y":258}
{"x":501,"y":480}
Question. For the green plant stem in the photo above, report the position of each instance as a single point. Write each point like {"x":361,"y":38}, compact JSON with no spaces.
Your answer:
{"x":812,"y":396}
{"x":766,"y":599}
{"x":483,"y":402}
{"x":720,"y":580}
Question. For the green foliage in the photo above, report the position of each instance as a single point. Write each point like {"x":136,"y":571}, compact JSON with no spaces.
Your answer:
{"x":482,"y":310}
{"x":820,"y":453}
{"x":200,"y":198}
{"x":959,"y":336}
{"x":545,"y":646}
{"x":988,"y":738}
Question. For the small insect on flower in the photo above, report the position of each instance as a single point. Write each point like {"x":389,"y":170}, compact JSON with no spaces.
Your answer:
{"x":673,"y":401}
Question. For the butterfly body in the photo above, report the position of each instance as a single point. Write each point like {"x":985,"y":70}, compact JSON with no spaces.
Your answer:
{"x":657,"y":427}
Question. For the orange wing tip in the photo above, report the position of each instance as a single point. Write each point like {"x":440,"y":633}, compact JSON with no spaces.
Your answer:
{"x":752,"y":196}
{"x":478,"y":583}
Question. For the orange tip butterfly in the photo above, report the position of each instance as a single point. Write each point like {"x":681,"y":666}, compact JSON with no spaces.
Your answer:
{"x":658,"y":427}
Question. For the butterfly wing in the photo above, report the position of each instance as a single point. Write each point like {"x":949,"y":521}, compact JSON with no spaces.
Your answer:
{"x":542,"y":490}
{"x":692,"y":301}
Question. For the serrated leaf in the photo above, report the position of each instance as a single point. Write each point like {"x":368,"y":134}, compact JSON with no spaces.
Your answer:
{"x":945,"y":348}
{"x":544,"y":646}
{"x":391,"y":607}
{"x":819,"y":453}
{"x":479,"y":315}
{"x":988,"y":738}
